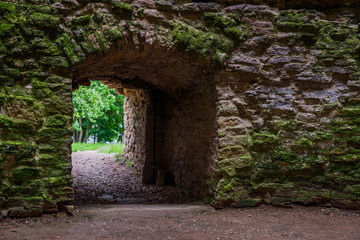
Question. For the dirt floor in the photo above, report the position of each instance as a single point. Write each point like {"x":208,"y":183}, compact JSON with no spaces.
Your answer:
{"x":185,"y":222}
{"x":99,"y":179}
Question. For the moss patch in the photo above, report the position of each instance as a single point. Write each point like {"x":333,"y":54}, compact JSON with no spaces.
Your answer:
{"x":24,"y":173}
{"x":199,"y":42}
{"x":46,"y":21}
{"x":283,"y":154}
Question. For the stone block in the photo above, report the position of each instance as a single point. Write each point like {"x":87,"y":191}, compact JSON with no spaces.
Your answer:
{"x":249,"y":202}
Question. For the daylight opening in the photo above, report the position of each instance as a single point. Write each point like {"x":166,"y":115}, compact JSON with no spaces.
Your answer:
{"x":114,"y":146}
{"x":98,"y":118}
{"x":169,"y":118}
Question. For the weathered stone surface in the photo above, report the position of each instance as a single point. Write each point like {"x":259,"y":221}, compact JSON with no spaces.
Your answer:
{"x":238,"y":103}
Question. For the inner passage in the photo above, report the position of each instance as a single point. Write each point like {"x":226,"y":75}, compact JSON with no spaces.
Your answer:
{"x":102,"y":173}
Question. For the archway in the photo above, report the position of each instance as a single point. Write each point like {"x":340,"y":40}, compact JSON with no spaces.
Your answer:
{"x":170,"y":111}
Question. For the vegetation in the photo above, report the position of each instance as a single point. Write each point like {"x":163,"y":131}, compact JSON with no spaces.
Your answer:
{"x":100,"y":147}
{"x":98,"y":112}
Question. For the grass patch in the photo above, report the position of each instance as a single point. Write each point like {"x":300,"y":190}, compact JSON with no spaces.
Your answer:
{"x":100,"y":147}
{"x":112,"y":148}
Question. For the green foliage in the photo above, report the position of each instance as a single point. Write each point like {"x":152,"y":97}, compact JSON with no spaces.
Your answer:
{"x":89,"y":103}
{"x":100,"y":110}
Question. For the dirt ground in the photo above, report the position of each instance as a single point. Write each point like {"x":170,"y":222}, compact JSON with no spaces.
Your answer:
{"x":185,"y":222}
{"x":99,"y":180}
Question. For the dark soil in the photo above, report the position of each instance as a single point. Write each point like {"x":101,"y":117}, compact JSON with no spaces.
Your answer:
{"x":98,"y":178}
{"x":187,"y":222}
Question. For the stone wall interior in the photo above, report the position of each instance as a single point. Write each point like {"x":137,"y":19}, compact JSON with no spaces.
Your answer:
{"x":238,"y":102}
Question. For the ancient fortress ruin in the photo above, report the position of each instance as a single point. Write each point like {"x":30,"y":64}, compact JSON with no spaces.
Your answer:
{"x":239,"y":102}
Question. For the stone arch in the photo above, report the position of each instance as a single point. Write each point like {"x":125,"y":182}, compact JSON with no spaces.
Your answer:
{"x":278,"y":86}
{"x":170,"y":110}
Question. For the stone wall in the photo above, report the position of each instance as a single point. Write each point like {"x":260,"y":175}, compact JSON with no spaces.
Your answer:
{"x":189,"y":138}
{"x":139,"y":132}
{"x":288,"y":111}
{"x":259,"y":103}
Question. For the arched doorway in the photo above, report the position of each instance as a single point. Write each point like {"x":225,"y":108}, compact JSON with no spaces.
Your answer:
{"x":170,"y":111}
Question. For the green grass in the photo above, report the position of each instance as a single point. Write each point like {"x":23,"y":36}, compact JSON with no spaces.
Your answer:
{"x":100,"y":147}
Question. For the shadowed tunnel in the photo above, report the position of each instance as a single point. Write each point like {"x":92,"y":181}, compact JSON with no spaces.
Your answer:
{"x":169,"y":112}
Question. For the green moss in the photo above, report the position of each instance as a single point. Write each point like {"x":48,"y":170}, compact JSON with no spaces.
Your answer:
{"x":5,"y":28}
{"x":231,"y":151}
{"x":221,"y":134}
{"x":44,"y":46}
{"x":304,"y":142}
{"x":264,"y":138}
{"x":239,"y":166}
{"x":350,"y":112}
{"x":114,"y":33}
{"x":339,"y":195}
{"x":60,"y":170}
{"x":7,"y":7}
{"x":93,"y":42}
{"x":55,"y":105}
{"x":218,"y":20}
{"x":54,"y":158}
{"x":56,"y":61}
{"x":288,"y":125}
{"x":123,"y":9}
{"x":61,"y":181}
{"x":355,"y":141}
{"x":271,"y":187}
{"x":72,"y":50}
{"x":283,"y":154}
{"x":56,"y":121}
{"x":16,"y":125}
{"x":46,"y":133}
{"x":307,"y":196}
{"x":219,"y":58}
{"x":17,"y":148}
{"x":44,"y":20}
{"x":196,"y":41}
{"x":83,"y":20}
{"x":321,"y":135}
{"x":41,"y":89}
{"x":297,"y":27}
{"x":229,"y":190}
{"x":348,"y":158}
{"x":334,"y":150}
{"x":302,"y":172}
{"x":24,"y":173}
{"x":346,"y":126}
{"x":238,"y":33}
{"x":354,"y":189}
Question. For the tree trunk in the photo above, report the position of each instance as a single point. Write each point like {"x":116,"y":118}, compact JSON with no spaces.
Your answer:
{"x":86,"y":134}
{"x":98,"y":134}
{"x":76,"y":136}
{"x":81,"y":130}
{"x":95,"y":133}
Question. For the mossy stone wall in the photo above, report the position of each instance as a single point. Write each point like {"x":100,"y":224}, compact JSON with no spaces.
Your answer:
{"x":287,"y":93}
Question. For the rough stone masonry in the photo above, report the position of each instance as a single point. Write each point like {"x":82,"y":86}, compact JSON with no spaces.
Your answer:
{"x":238,"y":102}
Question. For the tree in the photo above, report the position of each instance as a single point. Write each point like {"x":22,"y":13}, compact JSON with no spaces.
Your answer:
{"x":99,"y":111}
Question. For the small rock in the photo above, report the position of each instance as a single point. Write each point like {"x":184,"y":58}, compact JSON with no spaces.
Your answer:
{"x":4,"y":213}
{"x":69,"y":209}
